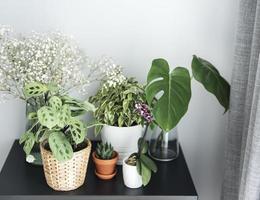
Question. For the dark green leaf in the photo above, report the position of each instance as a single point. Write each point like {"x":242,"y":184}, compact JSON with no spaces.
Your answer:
{"x":172,"y":91}
{"x":204,"y":72}
{"x":143,"y":145}
{"x":146,"y":174}
{"x":148,"y":162}
{"x":138,"y":167}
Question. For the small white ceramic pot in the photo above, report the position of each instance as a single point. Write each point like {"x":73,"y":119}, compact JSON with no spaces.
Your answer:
{"x":123,"y":139}
{"x":130,"y":175}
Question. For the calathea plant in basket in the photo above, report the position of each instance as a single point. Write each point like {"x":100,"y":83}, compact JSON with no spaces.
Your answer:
{"x":169,"y":93}
{"x":138,"y":167}
{"x":115,"y":102}
{"x":64,"y":148}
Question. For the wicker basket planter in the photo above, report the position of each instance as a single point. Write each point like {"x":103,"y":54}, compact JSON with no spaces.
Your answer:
{"x":68,"y":175}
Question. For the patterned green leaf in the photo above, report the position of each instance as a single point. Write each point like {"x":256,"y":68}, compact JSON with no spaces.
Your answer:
{"x":60,"y":146}
{"x":32,"y":115}
{"x":64,"y":116}
{"x":120,"y":120}
{"x":55,"y":102}
{"x":28,"y":139}
{"x":77,"y":130}
{"x":97,"y":130}
{"x":24,"y":137}
{"x":47,"y":116}
{"x":34,"y":89}
{"x":125,"y":105}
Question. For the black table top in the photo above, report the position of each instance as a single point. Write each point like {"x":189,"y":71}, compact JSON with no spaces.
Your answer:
{"x":20,"y":180}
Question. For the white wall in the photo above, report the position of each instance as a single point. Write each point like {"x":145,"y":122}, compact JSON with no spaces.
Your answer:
{"x":134,"y":32}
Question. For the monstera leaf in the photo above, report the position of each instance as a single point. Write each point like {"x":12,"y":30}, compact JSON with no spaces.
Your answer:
{"x":77,"y":130}
{"x":47,"y":116}
{"x":171,"y":92}
{"x":35,"y":89}
{"x":204,"y":72}
{"x":60,"y":146}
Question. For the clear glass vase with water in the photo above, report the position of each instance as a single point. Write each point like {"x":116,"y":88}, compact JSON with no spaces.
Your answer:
{"x":164,"y":146}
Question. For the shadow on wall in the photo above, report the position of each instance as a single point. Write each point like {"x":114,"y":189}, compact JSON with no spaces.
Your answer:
{"x":12,"y":118}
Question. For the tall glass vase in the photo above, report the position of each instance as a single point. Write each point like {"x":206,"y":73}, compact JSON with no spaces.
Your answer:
{"x":164,"y":146}
{"x":32,"y":105}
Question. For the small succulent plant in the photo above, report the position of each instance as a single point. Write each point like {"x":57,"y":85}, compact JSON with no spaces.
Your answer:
{"x":104,"y":151}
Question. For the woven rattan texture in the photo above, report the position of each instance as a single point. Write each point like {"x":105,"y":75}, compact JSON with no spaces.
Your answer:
{"x":68,"y":175}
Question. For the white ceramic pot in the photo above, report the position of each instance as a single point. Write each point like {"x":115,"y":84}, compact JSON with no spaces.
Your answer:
{"x":123,"y":139}
{"x":130,"y":175}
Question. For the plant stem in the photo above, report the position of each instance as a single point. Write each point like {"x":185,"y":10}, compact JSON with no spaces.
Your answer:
{"x":33,"y":126}
{"x":143,"y":140}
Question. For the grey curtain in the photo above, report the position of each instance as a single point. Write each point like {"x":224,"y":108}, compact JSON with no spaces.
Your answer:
{"x":242,"y":157}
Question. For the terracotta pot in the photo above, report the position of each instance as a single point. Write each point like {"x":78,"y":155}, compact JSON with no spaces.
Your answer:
{"x":105,"y":169}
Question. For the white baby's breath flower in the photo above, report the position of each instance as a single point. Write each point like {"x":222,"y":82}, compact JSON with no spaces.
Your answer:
{"x":50,"y":58}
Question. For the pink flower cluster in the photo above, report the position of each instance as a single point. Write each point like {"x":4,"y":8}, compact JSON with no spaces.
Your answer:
{"x":144,"y":111}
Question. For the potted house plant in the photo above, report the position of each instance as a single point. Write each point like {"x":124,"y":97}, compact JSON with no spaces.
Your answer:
{"x":49,"y":58}
{"x":105,"y":159}
{"x":168,"y":95}
{"x":64,"y":148}
{"x":115,"y":102}
{"x":138,"y":167}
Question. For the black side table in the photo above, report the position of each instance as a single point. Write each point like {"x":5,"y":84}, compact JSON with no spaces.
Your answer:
{"x":22,"y":181}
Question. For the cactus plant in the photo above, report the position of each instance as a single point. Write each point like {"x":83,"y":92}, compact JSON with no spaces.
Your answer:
{"x":104,"y":151}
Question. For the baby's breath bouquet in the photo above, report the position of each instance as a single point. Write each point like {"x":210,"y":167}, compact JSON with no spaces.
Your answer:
{"x":48,"y":58}
{"x":53,"y":59}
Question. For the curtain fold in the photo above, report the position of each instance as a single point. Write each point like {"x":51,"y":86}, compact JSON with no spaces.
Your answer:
{"x":242,"y":157}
